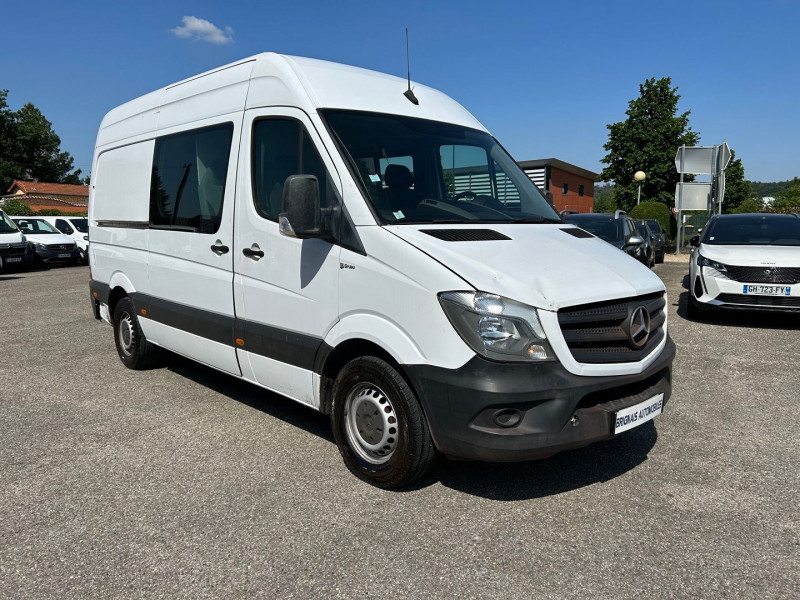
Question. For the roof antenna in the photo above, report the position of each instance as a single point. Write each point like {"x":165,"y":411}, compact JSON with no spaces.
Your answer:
{"x":409,"y":93}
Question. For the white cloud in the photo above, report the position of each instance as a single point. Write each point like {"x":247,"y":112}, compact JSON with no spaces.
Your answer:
{"x":203,"y":30}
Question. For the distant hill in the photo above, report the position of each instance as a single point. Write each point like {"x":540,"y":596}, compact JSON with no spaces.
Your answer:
{"x":768,"y":188}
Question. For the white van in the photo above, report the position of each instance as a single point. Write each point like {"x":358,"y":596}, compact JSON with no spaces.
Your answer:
{"x":14,"y":247}
{"x":318,"y":230}
{"x":75,"y":227}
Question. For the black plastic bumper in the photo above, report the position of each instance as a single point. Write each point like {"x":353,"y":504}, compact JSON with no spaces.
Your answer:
{"x":514,"y":412}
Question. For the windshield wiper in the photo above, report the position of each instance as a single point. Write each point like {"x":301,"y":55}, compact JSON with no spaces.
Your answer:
{"x":536,"y":220}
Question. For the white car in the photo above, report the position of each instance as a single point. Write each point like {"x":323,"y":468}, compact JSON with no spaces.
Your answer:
{"x":14,"y":247}
{"x":50,"y":245}
{"x":75,"y":227}
{"x":747,"y":261}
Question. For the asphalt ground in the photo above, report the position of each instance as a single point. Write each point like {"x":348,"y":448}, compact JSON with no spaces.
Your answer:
{"x":182,"y":482}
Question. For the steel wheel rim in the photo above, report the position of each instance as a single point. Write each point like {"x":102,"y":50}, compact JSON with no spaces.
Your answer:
{"x":126,"y":337}
{"x":371,"y":423}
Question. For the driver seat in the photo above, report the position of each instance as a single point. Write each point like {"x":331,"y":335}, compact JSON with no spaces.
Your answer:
{"x":398,"y":179}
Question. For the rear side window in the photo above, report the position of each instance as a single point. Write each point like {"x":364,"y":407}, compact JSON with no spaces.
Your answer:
{"x":188,"y":182}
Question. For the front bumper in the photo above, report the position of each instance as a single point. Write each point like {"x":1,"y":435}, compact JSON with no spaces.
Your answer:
{"x":17,"y":254}
{"x":556,"y":410}
{"x":712,"y":290}
{"x":48,"y":256}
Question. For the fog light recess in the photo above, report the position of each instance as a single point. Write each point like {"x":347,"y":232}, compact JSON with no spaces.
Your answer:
{"x":507,"y":417}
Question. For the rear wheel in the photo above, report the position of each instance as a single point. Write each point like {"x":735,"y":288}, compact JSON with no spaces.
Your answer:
{"x":134,"y":350}
{"x":379,"y":426}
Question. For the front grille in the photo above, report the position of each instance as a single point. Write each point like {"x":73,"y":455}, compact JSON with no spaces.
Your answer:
{"x":61,"y":247}
{"x":13,"y":250}
{"x":764,"y":274}
{"x":600,"y":332}
{"x":752,"y":300}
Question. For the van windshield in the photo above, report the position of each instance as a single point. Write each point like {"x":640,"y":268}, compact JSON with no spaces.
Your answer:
{"x":6,"y":224}
{"x":420,"y":171}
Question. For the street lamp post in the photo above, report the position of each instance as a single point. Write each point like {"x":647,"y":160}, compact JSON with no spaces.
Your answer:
{"x":639,"y":177}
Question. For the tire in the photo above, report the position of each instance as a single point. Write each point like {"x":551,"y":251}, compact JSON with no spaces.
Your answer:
{"x":693,"y":309}
{"x":83,"y":258}
{"x":379,"y":426}
{"x":134,"y":350}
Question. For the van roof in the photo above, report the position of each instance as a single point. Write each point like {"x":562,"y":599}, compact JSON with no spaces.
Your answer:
{"x":271,"y":79}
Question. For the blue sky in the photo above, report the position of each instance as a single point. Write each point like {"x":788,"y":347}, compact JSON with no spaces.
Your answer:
{"x":545,"y":78}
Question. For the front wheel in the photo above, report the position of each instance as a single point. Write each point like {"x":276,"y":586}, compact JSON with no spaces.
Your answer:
{"x":134,"y":350}
{"x":379,"y":426}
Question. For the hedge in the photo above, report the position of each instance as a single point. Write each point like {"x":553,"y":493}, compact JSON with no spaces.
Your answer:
{"x":658,"y":211}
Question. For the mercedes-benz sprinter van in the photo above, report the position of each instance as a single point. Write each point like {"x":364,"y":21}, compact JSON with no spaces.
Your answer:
{"x":319,"y":231}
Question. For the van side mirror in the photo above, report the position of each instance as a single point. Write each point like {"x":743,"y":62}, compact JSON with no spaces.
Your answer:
{"x":301,"y":217}
{"x":694,"y":241}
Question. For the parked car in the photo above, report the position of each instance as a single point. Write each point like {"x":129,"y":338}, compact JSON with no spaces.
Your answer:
{"x":376,"y":255}
{"x":746,"y":261}
{"x":649,"y":241}
{"x":660,"y":239}
{"x":75,"y":227}
{"x":15,"y":250}
{"x":617,"y":229}
{"x":49,"y":244}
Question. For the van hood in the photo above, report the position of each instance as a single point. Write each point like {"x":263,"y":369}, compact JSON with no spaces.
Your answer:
{"x":49,"y":238}
{"x":545,"y":265}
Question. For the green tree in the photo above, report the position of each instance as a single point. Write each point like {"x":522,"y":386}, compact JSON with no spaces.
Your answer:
{"x":8,"y":167}
{"x":15,"y":207}
{"x":737,"y":188}
{"x":788,"y":199}
{"x":647,"y":141}
{"x":604,"y":198}
{"x":29,"y":147}
{"x":751,"y":205}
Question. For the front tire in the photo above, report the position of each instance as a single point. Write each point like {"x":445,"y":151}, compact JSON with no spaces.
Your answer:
{"x":379,"y":426}
{"x":134,"y":350}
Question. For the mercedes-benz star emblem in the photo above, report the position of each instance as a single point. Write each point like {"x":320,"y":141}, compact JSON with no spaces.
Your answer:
{"x":639,"y":327}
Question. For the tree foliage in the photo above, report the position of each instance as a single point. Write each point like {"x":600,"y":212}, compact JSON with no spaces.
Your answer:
{"x":15,"y":207}
{"x":788,"y":199}
{"x":29,"y":148}
{"x":647,"y":141}
{"x":751,"y":205}
{"x":737,"y":188}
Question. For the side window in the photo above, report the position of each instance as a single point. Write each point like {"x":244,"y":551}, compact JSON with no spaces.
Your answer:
{"x":188,"y":181}
{"x":282,"y":147}
{"x":628,"y":228}
{"x":63,"y":226}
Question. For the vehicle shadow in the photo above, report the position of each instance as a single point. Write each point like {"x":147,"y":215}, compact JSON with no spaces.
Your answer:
{"x":267,"y":402}
{"x":561,"y":473}
{"x":739,"y":318}
{"x":496,"y":481}
{"x":9,"y":277}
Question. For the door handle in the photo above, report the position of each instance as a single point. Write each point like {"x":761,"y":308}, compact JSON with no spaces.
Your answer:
{"x":219,"y":248}
{"x":253,"y":252}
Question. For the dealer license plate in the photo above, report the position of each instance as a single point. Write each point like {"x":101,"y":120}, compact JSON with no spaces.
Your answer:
{"x":65,"y":256}
{"x":635,"y":415}
{"x":767,"y":290}
{"x":13,"y":259}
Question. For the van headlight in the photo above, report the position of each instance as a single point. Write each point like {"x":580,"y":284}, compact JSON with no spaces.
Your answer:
{"x":496,"y":327}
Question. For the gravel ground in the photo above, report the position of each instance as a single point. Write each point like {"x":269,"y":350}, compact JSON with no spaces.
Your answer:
{"x":182,"y":482}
